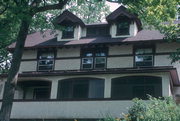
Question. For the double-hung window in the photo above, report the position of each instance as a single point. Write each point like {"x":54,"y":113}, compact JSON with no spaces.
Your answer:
{"x":123,"y":26}
{"x":46,"y":60}
{"x":94,"y":58}
{"x":143,"y":57}
{"x":68,"y":32}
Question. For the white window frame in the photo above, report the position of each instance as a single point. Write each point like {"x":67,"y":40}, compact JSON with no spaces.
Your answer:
{"x":96,"y":62}
{"x":86,"y":63}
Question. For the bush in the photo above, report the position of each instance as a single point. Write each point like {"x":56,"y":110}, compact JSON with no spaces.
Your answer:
{"x":156,"y":109}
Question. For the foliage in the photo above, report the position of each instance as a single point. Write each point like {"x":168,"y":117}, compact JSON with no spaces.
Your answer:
{"x":90,"y":11}
{"x":155,"y":109}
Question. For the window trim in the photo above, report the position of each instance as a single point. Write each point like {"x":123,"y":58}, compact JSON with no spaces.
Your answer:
{"x":135,"y":47}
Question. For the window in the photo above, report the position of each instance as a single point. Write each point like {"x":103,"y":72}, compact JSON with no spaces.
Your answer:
{"x":68,"y":32}
{"x":94,"y":58}
{"x":45,"y":60}
{"x":81,"y":88}
{"x":41,"y":93}
{"x":130,"y":87}
{"x":143,"y":57}
{"x":123,"y":27}
{"x":34,"y":89}
{"x":97,"y":31}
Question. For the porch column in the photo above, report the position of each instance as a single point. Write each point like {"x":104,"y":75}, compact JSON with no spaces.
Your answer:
{"x":54,"y":89}
{"x":107,"y":88}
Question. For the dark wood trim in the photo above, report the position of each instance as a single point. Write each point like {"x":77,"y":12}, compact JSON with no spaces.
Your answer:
{"x":56,"y":119}
{"x":121,"y":55}
{"x":109,"y":56}
{"x":99,"y":71}
{"x":35,"y":59}
{"x":63,"y":100}
{"x":64,"y":58}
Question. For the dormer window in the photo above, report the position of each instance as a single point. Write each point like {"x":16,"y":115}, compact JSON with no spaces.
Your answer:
{"x":122,"y":28}
{"x":68,"y":32}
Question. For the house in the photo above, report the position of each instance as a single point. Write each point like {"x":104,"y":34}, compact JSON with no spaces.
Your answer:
{"x":91,"y":71}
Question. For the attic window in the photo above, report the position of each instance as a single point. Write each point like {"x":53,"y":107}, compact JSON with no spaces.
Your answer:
{"x":68,"y":32}
{"x":123,"y":28}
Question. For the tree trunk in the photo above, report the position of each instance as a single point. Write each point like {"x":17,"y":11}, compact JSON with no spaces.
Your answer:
{"x":9,"y":88}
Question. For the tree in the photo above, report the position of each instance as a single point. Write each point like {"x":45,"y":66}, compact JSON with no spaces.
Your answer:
{"x":157,"y":109}
{"x":90,"y":11}
{"x":22,"y":12}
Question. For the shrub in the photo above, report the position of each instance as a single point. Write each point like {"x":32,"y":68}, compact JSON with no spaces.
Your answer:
{"x":156,"y":109}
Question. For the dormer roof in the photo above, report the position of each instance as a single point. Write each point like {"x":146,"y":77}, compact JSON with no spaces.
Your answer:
{"x":68,"y":16}
{"x":122,"y":11}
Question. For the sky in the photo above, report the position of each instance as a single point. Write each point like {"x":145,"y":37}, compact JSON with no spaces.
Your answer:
{"x":113,"y":6}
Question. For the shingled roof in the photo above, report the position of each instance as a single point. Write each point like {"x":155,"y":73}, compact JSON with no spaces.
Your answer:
{"x":122,"y":11}
{"x":37,"y":40}
{"x":68,"y":16}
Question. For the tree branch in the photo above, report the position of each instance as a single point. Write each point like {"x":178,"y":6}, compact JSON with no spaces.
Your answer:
{"x":59,"y":5}
{"x":1,"y":12}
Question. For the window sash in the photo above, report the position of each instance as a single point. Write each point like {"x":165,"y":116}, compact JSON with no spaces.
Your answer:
{"x":87,"y":64}
{"x":68,"y":32}
{"x":143,"y":57}
{"x":122,"y":28}
{"x":96,"y":63}
{"x":47,"y":66}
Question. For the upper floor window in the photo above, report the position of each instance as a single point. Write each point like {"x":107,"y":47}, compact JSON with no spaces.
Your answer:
{"x":143,"y":56}
{"x":122,"y":27}
{"x":46,"y":60}
{"x":130,"y":87}
{"x":81,"y":88}
{"x":94,"y":58}
{"x":68,"y":32}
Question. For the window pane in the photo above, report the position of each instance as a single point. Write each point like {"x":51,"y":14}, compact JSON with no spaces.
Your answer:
{"x":65,"y":89}
{"x":141,"y":58}
{"x":143,"y":51}
{"x":136,"y":86}
{"x":46,"y":62}
{"x":41,"y":93}
{"x":96,"y":88}
{"x":45,"y":68}
{"x":87,"y":63}
{"x":123,"y":28}
{"x":100,"y":62}
{"x":87,"y":60}
{"x":68,"y":32}
{"x":81,"y":88}
{"x":46,"y":55}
